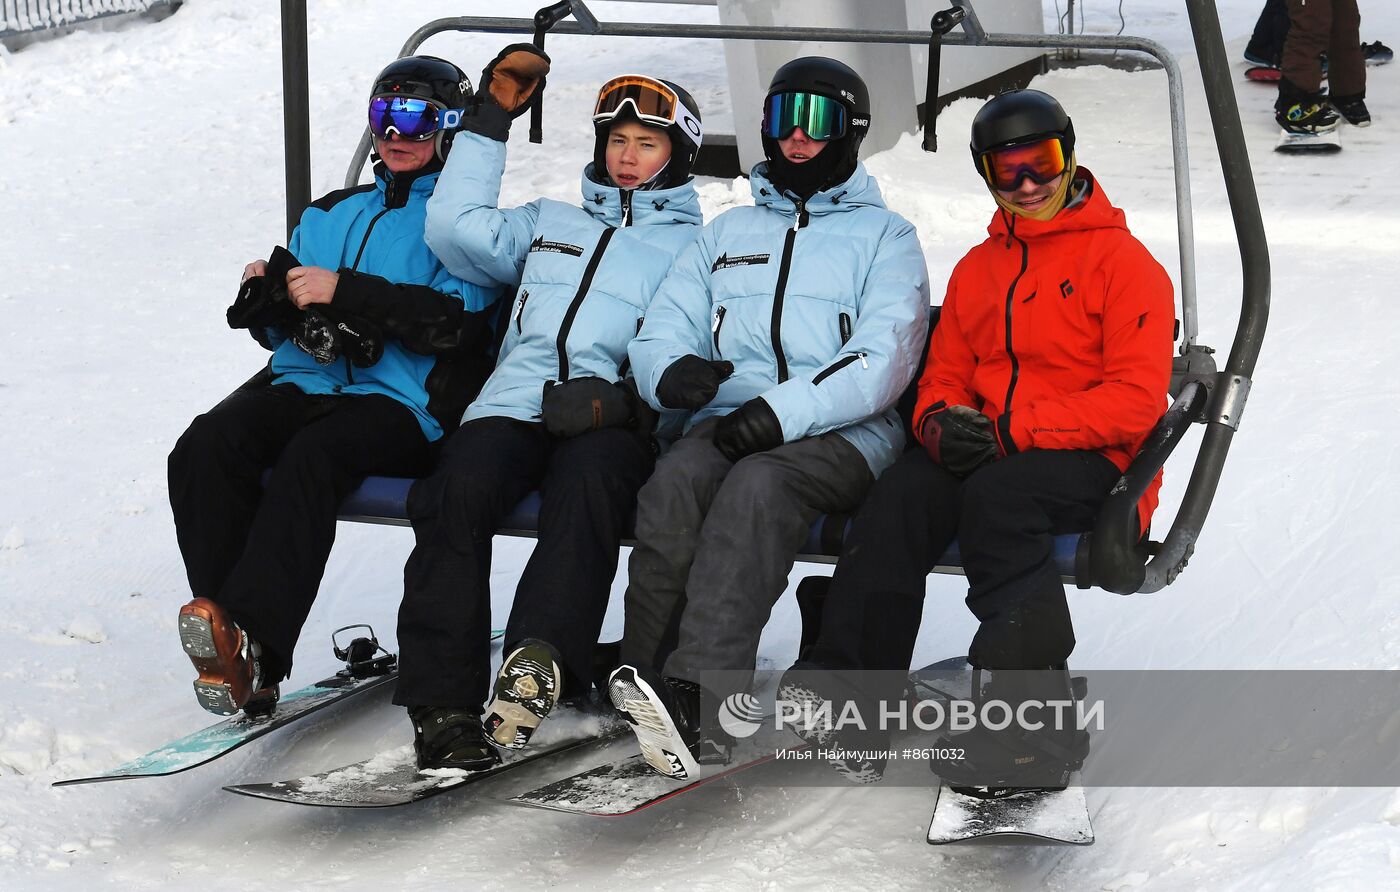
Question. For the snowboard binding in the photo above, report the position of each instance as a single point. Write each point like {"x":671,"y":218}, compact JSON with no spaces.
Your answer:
{"x":363,"y":657}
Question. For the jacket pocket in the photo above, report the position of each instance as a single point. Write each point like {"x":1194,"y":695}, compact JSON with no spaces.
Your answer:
{"x":520,"y":310}
{"x":715,"y":327}
{"x":845,"y":322}
{"x":838,"y":365}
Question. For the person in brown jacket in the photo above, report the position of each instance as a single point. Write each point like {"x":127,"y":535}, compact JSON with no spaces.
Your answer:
{"x":1316,"y":27}
{"x":1048,"y":368}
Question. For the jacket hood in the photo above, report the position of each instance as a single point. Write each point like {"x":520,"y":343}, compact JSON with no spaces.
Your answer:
{"x":679,"y":204}
{"x":859,"y":190}
{"x":1094,"y":211}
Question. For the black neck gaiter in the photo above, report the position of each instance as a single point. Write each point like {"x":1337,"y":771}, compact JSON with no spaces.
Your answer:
{"x":804,"y":180}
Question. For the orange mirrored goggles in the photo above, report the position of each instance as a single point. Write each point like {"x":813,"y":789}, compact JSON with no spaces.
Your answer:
{"x":1042,"y":161}
{"x":652,"y":102}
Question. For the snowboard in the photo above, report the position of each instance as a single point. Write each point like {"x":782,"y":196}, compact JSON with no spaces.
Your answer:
{"x":1375,"y":53}
{"x":627,"y":784}
{"x":1263,"y":74}
{"x":1054,"y":817}
{"x":392,"y":778}
{"x":221,"y":738}
{"x":1290,"y":143}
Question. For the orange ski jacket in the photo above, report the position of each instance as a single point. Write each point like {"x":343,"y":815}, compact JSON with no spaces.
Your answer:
{"x":1060,"y":331}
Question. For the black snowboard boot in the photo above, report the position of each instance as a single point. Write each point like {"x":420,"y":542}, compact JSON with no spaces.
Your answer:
{"x":450,"y":737}
{"x":992,"y":762}
{"x":1353,"y":108}
{"x":527,"y":687}
{"x":1299,"y":111}
{"x":813,"y":701}
{"x":665,"y":714}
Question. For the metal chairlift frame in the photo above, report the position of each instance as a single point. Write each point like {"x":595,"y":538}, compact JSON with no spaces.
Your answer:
{"x":1113,"y":556}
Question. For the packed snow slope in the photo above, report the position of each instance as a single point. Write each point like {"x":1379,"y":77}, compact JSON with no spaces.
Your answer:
{"x":142,"y":167}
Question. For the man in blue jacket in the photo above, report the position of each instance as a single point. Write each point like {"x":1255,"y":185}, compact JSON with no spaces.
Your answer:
{"x":559,"y":413}
{"x":376,"y":349}
{"x":790,"y":328}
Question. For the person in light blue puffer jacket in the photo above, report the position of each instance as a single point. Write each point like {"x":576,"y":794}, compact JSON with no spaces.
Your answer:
{"x":792,"y":328}
{"x":559,"y":413}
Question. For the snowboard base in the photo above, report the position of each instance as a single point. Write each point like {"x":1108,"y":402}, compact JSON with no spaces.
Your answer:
{"x":1290,"y":143}
{"x":628,"y":784}
{"x":392,"y":778}
{"x":1041,"y":817}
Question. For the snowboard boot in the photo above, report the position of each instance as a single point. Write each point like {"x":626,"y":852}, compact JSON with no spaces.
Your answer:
{"x":450,"y":737}
{"x":527,"y":688}
{"x":665,"y":716}
{"x":1310,"y":116}
{"x":227,"y":660}
{"x":992,"y":763}
{"x":1376,"y":53}
{"x":1353,"y":108}
{"x":1299,"y":111}
{"x":816,"y":700}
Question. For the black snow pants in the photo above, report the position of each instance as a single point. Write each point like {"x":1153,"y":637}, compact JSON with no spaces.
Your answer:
{"x":588,"y":486}
{"x":1005,"y":517}
{"x":260,"y":551}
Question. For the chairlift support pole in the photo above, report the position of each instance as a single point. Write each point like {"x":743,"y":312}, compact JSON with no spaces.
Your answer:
{"x":296,"y":111}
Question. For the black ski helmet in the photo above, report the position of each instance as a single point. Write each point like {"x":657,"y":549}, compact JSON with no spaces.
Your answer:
{"x":1016,"y":117}
{"x":431,"y":78}
{"x":685,"y":145}
{"x":835,"y":80}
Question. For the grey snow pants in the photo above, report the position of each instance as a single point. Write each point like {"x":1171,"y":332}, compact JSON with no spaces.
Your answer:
{"x":716,"y":541}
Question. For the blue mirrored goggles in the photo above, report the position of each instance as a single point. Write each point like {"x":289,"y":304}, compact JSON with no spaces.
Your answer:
{"x":411,"y":118}
{"x":820,"y":117}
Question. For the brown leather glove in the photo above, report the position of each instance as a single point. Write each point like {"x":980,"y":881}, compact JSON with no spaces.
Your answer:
{"x":514,"y":75}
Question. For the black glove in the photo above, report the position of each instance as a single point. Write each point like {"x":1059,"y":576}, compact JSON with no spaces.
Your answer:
{"x":960,"y":439}
{"x":508,"y":85}
{"x":748,"y":429}
{"x":644,"y":417}
{"x":317,"y":335}
{"x":359,"y":339}
{"x":579,"y":405}
{"x":262,"y":301}
{"x":691,"y":382}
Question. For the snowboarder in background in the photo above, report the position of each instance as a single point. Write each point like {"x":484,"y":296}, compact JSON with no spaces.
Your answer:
{"x":559,"y":413}
{"x":1333,"y":27}
{"x":376,"y":350}
{"x":1046,"y":371}
{"x":1265,"y":45}
{"x":790,"y":328}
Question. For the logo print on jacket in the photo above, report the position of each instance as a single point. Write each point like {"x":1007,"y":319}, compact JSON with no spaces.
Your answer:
{"x":548,"y":247}
{"x":724,"y":261}
{"x":1066,"y":289}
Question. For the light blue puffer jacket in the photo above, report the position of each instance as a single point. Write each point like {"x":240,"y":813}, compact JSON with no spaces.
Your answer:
{"x":548,"y":248}
{"x":823,"y":309}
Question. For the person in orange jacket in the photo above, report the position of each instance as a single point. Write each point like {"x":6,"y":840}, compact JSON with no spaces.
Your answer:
{"x":1046,"y":372}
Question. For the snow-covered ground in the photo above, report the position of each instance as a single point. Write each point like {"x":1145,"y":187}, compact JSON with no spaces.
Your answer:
{"x":142,"y":168}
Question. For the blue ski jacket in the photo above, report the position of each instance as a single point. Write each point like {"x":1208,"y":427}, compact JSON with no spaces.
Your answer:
{"x":435,"y":332}
{"x":586,"y":275}
{"x":822,"y":307}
